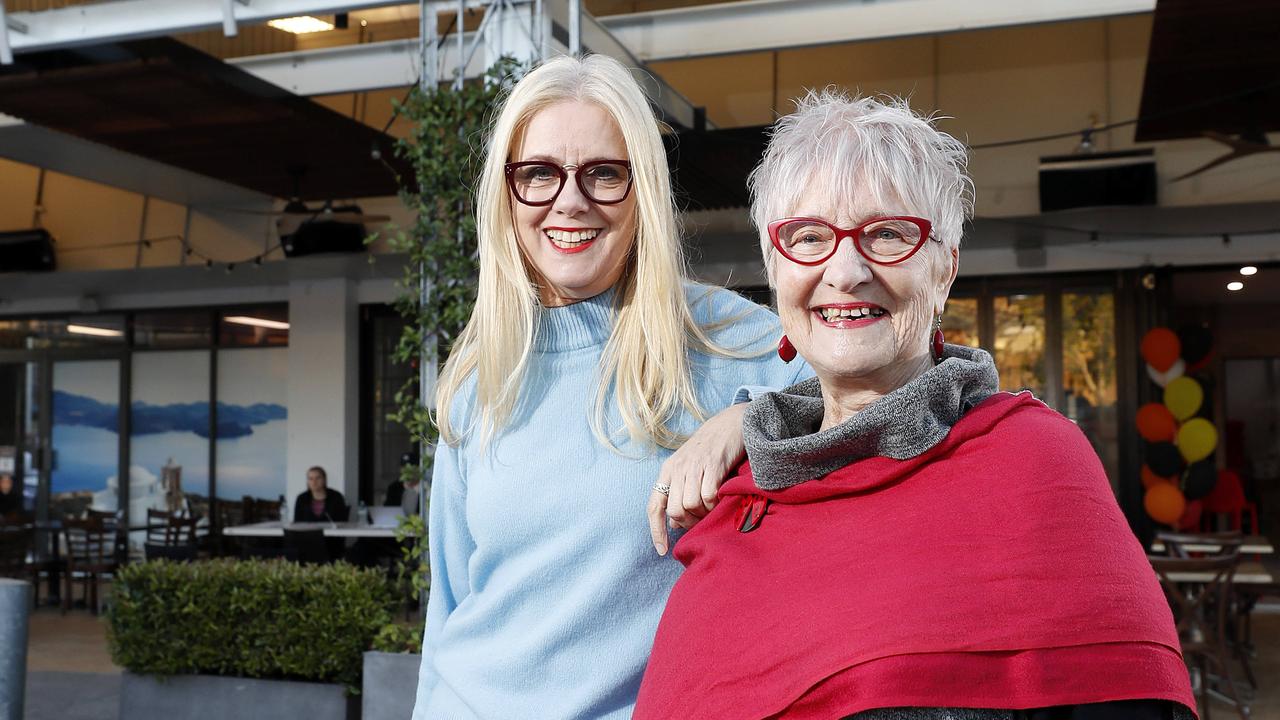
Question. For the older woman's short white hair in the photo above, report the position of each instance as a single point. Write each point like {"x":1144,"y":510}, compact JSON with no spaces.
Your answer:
{"x":877,"y":150}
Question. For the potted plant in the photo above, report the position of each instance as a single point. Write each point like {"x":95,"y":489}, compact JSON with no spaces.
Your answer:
{"x":244,"y":639}
{"x":391,"y":672}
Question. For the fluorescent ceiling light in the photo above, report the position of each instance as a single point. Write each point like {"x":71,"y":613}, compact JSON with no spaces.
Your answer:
{"x":257,"y":322}
{"x":300,"y":25}
{"x":1248,"y":270}
{"x":96,"y":331}
{"x":1235,"y":285}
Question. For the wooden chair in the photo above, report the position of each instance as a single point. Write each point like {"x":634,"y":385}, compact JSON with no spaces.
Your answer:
{"x":229,"y":513}
{"x":157,"y":525}
{"x":1201,"y":611}
{"x":1242,"y":602}
{"x":91,"y":557}
{"x":17,"y":552}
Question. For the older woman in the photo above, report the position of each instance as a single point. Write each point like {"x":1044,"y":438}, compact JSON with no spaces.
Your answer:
{"x":587,"y":359}
{"x":904,"y":541}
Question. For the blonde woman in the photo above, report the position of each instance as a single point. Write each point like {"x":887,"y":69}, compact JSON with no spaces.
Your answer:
{"x":588,"y":359}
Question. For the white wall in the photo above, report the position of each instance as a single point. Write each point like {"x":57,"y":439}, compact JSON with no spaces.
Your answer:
{"x":324,"y":360}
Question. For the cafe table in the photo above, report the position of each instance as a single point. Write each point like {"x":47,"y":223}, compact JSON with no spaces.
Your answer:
{"x":1250,"y":545}
{"x":1248,"y":573}
{"x":276,"y":528}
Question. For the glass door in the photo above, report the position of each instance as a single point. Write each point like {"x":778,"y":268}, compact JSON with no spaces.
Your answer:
{"x":84,"y":437}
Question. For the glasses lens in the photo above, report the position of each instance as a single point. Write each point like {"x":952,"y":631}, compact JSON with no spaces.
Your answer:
{"x":536,"y":183}
{"x":890,"y":239}
{"x":606,"y":182}
{"x":806,"y":239}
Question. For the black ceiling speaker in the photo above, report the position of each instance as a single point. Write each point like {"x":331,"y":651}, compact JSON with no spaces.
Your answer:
{"x":26,"y":251}
{"x":336,"y":231}
{"x":1097,"y":179}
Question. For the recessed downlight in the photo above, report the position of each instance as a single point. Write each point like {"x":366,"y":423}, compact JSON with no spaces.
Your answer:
{"x":1248,"y":270}
{"x":1235,"y":285}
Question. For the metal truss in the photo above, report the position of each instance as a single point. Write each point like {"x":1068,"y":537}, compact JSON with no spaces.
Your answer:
{"x":115,"y":20}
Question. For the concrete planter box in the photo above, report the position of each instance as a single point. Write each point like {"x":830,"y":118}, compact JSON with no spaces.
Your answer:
{"x":197,"y":697}
{"x":390,"y":685}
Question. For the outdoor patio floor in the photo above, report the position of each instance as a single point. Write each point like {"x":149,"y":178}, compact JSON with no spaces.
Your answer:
{"x":70,"y":675}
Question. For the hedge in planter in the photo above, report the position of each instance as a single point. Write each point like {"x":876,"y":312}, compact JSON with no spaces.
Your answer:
{"x":259,"y":619}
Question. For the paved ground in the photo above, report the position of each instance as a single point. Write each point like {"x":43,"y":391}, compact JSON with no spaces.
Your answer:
{"x":70,"y":675}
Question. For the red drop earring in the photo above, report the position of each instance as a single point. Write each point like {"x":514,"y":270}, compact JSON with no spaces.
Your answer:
{"x":786,"y":350}
{"x":937,"y":341}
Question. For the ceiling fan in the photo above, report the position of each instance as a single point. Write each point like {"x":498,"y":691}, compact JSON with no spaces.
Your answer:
{"x":1245,"y":145}
{"x":296,"y":213}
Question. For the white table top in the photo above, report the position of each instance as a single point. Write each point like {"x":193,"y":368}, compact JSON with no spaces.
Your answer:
{"x":275,"y":528}
{"x":1252,"y":545}
{"x":1249,"y":573}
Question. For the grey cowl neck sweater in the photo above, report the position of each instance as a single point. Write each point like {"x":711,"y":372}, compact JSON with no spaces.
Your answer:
{"x":785,"y":447}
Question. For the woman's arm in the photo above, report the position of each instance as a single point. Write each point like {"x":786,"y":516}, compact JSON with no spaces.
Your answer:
{"x":300,"y":504}
{"x":450,"y":547}
{"x":694,"y":474}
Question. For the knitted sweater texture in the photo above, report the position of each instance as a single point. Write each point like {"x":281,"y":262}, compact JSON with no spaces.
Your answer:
{"x":545,"y":587}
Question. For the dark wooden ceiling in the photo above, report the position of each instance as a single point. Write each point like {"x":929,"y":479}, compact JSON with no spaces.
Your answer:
{"x":168,"y":102}
{"x":1205,"y":50}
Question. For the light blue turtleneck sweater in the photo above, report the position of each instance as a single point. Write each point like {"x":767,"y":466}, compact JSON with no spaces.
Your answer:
{"x":545,"y":587}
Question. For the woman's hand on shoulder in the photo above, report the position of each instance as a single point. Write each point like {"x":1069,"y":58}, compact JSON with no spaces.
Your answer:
{"x":694,"y":473}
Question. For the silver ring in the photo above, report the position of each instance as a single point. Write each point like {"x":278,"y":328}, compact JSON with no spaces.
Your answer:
{"x":664,"y":489}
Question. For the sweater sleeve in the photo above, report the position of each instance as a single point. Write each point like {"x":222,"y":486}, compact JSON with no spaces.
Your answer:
{"x":451,"y":546}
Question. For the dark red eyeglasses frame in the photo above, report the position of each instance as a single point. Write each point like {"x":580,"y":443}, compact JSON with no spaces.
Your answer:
{"x":511,"y":168}
{"x":926,"y":231}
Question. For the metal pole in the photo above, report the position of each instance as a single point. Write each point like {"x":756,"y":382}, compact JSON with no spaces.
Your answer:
{"x":6,"y":51}
{"x":427,"y":46}
{"x":15,"y":602}
{"x":461,"y":72}
{"x":575,"y":28}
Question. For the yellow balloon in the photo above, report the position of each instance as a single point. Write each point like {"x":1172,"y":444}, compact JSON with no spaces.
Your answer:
{"x":1183,"y":397}
{"x":1196,"y":439}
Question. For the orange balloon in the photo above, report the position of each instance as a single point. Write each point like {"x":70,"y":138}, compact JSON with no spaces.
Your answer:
{"x":1161,"y":348}
{"x":1149,"y":478}
{"x":1165,"y":503}
{"x":1156,"y":423}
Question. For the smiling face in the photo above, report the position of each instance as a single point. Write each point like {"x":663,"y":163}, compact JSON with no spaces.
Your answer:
{"x":576,"y":248}
{"x":862,"y":326}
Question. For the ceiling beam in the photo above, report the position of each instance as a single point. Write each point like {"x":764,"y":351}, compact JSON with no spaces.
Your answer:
{"x":69,"y":155}
{"x":760,"y":25}
{"x":117,"y":20}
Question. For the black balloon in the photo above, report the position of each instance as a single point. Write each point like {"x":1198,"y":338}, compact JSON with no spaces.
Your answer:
{"x":1196,"y":341}
{"x":1199,"y":478}
{"x":1164,"y":459}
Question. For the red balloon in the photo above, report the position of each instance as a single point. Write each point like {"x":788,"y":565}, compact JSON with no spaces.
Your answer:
{"x":1190,"y":519}
{"x":1156,"y":423}
{"x":1227,"y":494}
{"x":1149,"y":478}
{"x":1161,"y":348}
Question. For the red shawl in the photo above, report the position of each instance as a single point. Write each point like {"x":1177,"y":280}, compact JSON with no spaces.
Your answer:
{"x":994,"y":570}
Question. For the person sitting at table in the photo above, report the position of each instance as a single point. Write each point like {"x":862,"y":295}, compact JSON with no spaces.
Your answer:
{"x":904,"y":540}
{"x":404,"y":495}
{"x":320,"y":503}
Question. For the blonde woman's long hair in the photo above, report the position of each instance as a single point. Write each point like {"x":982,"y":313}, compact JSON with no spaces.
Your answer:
{"x":645,"y":362}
